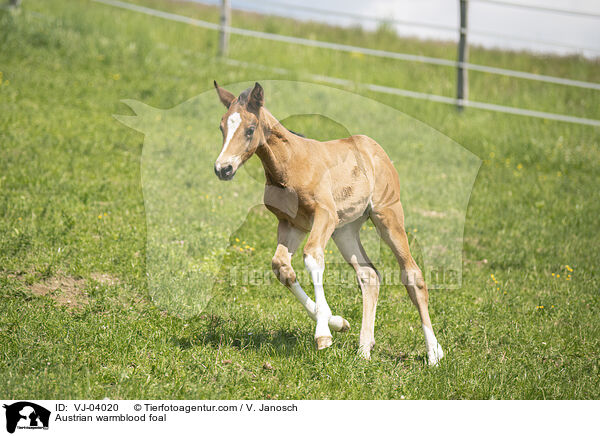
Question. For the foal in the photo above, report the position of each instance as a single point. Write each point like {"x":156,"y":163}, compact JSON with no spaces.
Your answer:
{"x":327,"y":189}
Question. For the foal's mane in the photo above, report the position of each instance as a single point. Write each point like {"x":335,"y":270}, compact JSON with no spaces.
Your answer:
{"x":295,"y":133}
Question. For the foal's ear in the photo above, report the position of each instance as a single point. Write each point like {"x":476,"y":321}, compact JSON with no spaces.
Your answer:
{"x":225,"y":96}
{"x":257,"y":98}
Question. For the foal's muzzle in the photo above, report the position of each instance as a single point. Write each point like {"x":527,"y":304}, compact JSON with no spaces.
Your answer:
{"x":224,"y":173}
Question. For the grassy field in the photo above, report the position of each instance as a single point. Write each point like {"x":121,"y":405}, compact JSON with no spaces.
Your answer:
{"x":76,"y":316}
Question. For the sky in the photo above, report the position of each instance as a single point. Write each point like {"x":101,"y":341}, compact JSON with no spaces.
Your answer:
{"x":580,"y":34}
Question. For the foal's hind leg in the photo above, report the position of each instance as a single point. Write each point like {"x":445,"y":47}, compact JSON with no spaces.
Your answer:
{"x":389,"y":221}
{"x":348,"y":241}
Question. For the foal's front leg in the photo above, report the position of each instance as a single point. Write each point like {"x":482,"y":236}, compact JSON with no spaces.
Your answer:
{"x":314,"y":260}
{"x":288,"y":240}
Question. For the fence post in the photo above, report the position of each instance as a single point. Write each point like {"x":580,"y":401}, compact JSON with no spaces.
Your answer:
{"x":225,"y":23}
{"x":462,"y":78}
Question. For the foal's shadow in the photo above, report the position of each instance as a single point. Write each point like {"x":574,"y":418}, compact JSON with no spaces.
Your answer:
{"x":215,"y":332}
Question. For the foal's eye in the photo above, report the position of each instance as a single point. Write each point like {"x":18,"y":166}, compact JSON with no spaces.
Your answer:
{"x":250,"y":131}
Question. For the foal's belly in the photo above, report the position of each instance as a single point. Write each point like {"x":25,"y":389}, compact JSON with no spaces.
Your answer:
{"x":352,"y":200}
{"x":352,"y":210}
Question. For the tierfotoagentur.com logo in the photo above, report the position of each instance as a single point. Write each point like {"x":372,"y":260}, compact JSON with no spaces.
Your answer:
{"x":26,"y":415}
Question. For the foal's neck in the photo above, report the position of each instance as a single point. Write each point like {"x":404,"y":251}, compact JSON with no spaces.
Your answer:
{"x":277,"y":152}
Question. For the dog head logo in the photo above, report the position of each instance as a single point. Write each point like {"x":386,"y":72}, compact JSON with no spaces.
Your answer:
{"x":26,"y":415}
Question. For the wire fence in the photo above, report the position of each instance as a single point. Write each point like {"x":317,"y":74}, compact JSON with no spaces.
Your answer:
{"x":539,"y":8}
{"x":225,"y":29}
{"x":272,"y":6}
{"x":268,"y":5}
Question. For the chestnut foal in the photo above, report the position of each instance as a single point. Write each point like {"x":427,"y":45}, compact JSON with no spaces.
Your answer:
{"x":327,"y":189}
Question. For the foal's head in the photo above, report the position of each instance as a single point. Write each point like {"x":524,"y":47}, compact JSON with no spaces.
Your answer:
{"x":241,"y":128}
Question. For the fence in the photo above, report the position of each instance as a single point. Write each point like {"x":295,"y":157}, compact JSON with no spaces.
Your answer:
{"x":318,"y":11}
{"x":461,"y":64}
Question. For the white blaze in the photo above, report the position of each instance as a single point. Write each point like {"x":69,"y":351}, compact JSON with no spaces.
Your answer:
{"x":233,"y":122}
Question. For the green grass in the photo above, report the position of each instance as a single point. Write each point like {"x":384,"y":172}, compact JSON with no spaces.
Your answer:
{"x":65,"y":161}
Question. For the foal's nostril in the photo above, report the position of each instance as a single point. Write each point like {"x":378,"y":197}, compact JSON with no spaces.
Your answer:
{"x":226,"y":171}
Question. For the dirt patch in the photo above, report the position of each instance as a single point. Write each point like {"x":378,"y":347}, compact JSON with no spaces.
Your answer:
{"x":65,"y":290}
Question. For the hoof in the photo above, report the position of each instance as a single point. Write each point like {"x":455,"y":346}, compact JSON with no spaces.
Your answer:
{"x":338,"y":324}
{"x":345,"y":326}
{"x":323,"y":342}
{"x":364,"y":351}
{"x":435,"y":355}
